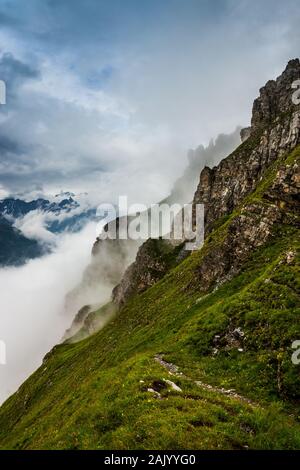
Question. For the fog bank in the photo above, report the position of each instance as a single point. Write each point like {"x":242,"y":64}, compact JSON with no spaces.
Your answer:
{"x":32,"y":316}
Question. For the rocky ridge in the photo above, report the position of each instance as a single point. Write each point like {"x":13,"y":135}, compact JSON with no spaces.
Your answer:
{"x":221,"y":325}
{"x":274,"y":133}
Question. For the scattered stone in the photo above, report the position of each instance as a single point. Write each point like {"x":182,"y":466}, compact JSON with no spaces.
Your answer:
{"x":173,"y":385}
{"x":290,"y":256}
{"x":158,"y":385}
{"x":172,"y":368}
{"x":231,"y":392}
{"x":238,"y":332}
{"x":155,"y":393}
{"x":232,"y":339}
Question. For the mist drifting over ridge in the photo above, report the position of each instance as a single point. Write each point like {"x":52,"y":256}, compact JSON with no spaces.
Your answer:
{"x":113,"y":112}
{"x":41,"y":298}
{"x":33,"y":318}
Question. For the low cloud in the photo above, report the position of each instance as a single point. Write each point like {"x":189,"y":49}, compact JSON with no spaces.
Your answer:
{"x":33,"y":317}
{"x":3,"y":192}
{"x":33,"y":226}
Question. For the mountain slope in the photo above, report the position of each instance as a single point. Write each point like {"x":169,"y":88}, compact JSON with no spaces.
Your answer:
{"x":62,"y":214}
{"x":226,"y":317}
{"x":274,"y":132}
{"x":96,"y":384}
{"x":15,"y":248}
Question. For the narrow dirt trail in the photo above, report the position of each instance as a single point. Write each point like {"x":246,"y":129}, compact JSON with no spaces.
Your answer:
{"x":173,"y":369}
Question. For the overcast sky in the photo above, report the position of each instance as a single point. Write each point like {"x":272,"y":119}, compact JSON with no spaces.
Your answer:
{"x":106,"y":96}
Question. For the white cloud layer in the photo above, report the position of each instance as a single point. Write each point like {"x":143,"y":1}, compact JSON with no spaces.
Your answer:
{"x":32,"y":316}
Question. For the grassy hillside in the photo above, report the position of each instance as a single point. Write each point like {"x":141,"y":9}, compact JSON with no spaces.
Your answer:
{"x":110,"y":390}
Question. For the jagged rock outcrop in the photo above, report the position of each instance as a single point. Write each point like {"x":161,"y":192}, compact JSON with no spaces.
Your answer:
{"x":154,"y":259}
{"x":245,"y":133}
{"x":78,"y":321}
{"x":242,"y":334}
{"x":285,"y":190}
{"x":275,"y":99}
{"x":274,"y":132}
{"x":248,"y":231}
{"x":111,"y":257}
{"x":253,"y":226}
{"x":184,"y":188}
{"x":109,"y":260}
{"x":88,"y":321}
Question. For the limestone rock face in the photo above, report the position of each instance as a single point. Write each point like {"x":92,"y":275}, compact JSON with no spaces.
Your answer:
{"x":109,"y":260}
{"x":274,"y":133}
{"x":275,"y":130}
{"x":285,"y":190}
{"x":152,"y":262}
{"x":275,"y":97}
{"x":254,"y":225}
{"x":248,"y":231}
{"x":245,"y":133}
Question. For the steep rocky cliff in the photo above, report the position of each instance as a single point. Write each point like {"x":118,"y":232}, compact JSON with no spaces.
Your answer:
{"x":199,"y":356}
{"x":111,"y":257}
{"x":109,"y":260}
{"x":274,"y":132}
{"x":154,"y":259}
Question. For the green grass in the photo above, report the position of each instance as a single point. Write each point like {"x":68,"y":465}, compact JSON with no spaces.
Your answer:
{"x":95,"y":384}
{"x":92,"y":394}
{"x":287,"y":159}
